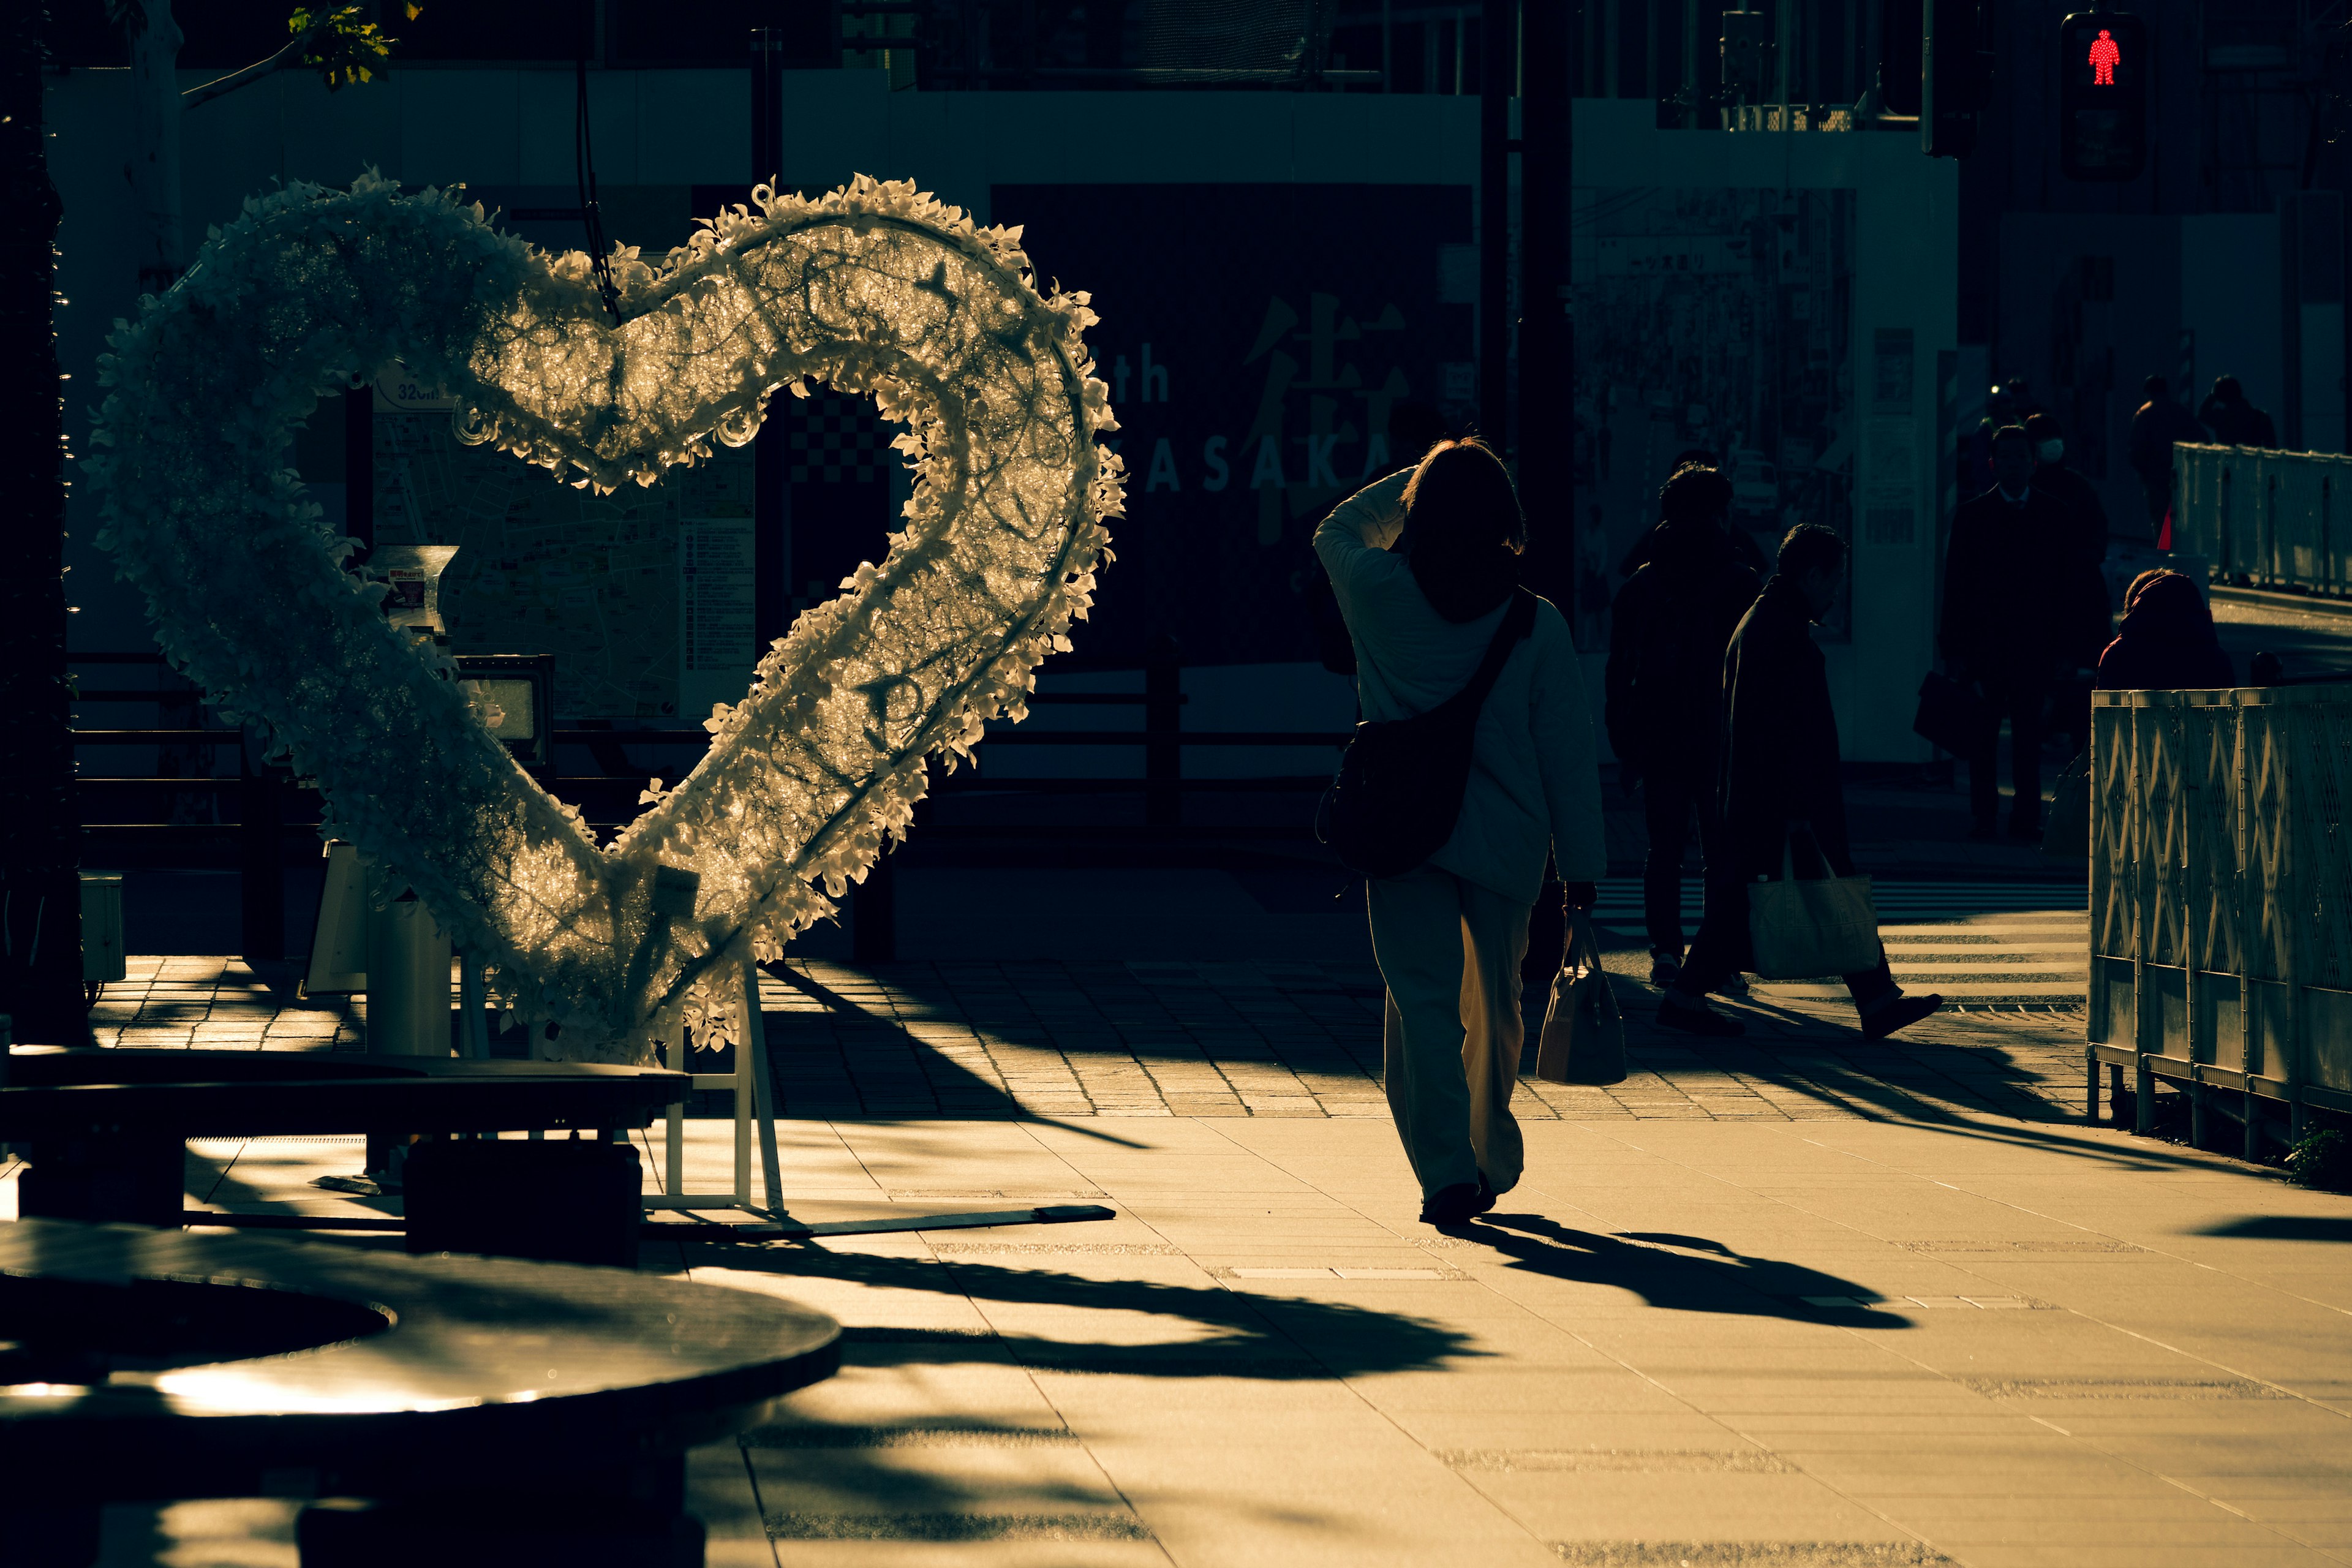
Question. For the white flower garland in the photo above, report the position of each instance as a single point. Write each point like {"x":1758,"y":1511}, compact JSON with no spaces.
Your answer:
{"x":874,"y":288}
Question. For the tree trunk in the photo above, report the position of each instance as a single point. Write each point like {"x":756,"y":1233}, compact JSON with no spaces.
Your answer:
{"x":40,"y":893}
{"x":155,"y":168}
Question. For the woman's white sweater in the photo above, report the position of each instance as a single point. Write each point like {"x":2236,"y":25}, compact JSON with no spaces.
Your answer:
{"x":1535,"y":781}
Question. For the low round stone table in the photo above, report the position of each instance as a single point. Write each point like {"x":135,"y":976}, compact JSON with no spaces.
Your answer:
{"x":446,"y":1411}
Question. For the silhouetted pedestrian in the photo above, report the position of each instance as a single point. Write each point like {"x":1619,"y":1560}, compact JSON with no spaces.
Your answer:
{"x":2234,"y":421}
{"x":2086,"y":543}
{"x":2156,"y":426}
{"x":1780,"y":773}
{"x":2087,"y":534}
{"x":2020,"y":607}
{"x":1742,"y":544}
{"x":2166,"y":641}
{"x":1426,"y":567}
{"x":1667,"y":632}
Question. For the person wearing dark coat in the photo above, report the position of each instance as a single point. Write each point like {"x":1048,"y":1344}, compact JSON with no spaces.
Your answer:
{"x":1780,"y":776}
{"x":2017,"y":613}
{"x":1743,"y":545}
{"x":2167,"y":642}
{"x":2086,"y":543}
{"x":2158,"y":424}
{"x":1667,"y":630}
{"x":2088,"y":536}
{"x":2234,"y":421}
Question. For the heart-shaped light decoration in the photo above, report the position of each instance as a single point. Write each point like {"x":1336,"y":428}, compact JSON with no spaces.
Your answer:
{"x":872,"y":287}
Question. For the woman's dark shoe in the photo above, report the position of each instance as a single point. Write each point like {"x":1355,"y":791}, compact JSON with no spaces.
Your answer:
{"x":1487,"y":1195}
{"x":1895,"y":1013}
{"x":1733,"y":985}
{"x":1698,"y":1018}
{"x":1456,"y":1205}
{"x":1665,"y":968}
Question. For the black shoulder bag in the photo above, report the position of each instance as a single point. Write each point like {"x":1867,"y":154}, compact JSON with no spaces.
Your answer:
{"x":1399,"y":790}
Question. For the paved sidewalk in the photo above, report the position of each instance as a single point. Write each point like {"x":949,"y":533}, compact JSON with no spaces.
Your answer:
{"x":1176,"y":1038}
{"x":1823,"y":1344}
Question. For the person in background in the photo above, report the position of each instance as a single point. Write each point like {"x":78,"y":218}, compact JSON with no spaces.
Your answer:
{"x":2167,"y":642}
{"x":1742,"y":545}
{"x":1426,"y":566}
{"x":1780,"y":773}
{"x":2086,"y":541}
{"x":2156,"y":428}
{"x":1667,"y":632}
{"x":2234,"y":421}
{"x":2016,"y":613}
{"x":2088,"y":535}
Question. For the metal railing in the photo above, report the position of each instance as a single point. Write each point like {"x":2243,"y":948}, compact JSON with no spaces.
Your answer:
{"x":2265,"y":520}
{"x":266,"y":817}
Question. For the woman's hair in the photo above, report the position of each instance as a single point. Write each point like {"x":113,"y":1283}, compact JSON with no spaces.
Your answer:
{"x":1809,"y":547}
{"x":1461,"y":495}
{"x":1463,"y":529}
{"x":2165,"y":602}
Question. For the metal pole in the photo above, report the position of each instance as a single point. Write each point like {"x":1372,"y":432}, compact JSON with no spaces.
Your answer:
{"x":40,"y":831}
{"x":1497,"y":25}
{"x":262,"y":878}
{"x":754,"y":1042}
{"x":1546,"y":379}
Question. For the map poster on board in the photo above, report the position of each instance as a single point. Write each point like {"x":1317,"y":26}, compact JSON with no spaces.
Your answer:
{"x":596,"y":581}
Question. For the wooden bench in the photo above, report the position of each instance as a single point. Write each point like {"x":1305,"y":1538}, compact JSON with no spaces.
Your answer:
{"x":109,"y":1128}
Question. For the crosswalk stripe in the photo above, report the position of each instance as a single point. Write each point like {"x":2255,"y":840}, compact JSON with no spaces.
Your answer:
{"x":1974,"y":942}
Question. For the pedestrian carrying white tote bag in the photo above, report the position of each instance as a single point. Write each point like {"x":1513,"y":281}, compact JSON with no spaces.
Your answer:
{"x":1801,"y":927}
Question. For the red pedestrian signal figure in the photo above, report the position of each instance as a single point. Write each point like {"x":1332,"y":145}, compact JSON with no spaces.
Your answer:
{"x":2105,"y":57}
{"x":2103,"y":117}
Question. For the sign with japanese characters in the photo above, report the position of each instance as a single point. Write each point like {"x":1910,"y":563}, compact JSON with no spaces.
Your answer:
{"x":1256,"y":338}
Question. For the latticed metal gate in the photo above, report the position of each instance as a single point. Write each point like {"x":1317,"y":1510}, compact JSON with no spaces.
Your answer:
{"x":2222,"y":899}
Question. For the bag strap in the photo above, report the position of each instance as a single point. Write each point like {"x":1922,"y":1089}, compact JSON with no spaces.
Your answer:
{"x":1518,"y":621}
{"x":1798,"y":825}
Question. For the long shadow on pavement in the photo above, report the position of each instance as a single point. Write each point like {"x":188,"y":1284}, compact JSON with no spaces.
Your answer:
{"x":1682,"y":1273}
{"x":1311,"y":1340}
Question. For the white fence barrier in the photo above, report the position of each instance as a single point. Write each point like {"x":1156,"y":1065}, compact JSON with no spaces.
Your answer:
{"x":2221,"y":899}
{"x":2272,"y":520}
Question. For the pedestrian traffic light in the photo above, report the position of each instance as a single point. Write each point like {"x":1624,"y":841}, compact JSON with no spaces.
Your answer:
{"x":1954,"y":76}
{"x":2103,"y":70}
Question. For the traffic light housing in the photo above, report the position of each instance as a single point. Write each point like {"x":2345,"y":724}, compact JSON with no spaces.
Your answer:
{"x":1954,"y":76}
{"x":2103,"y":71}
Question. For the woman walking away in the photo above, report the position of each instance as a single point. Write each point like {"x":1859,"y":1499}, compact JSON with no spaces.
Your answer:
{"x":2166,"y":641}
{"x":1426,"y":567}
{"x":1780,"y":775}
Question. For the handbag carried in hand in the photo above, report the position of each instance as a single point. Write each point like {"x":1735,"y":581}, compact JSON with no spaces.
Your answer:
{"x":1799,"y":926}
{"x":2068,"y":836}
{"x":1949,"y":715}
{"x":1399,"y":790}
{"x":1583,"y":1038}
